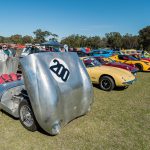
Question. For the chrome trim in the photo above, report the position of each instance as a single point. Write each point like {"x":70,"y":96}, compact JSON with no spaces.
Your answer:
{"x":129,"y":82}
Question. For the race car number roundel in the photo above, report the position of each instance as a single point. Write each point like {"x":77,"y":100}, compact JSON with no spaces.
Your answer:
{"x":59,"y":70}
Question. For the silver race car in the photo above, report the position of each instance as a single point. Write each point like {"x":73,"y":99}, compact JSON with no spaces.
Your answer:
{"x":54,"y":90}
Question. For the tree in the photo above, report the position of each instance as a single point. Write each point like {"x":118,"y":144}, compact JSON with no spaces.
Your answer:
{"x":93,"y":42}
{"x":129,"y":41}
{"x":16,"y":39}
{"x":27,"y":39}
{"x":40,"y":36}
{"x":144,"y":38}
{"x":71,"y":41}
{"x":53,"y":37}
{"x":2,"y":39}
{"x":83,"y":41}
{"x":114,"y":39}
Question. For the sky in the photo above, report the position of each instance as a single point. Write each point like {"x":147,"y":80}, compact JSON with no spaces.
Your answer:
{"x":66,"y":17}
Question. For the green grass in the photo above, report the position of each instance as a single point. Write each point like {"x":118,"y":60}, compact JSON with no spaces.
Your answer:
{"x":118,"y":120}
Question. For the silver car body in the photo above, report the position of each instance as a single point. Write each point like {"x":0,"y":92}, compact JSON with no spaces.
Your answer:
{"x":9,"y":99}
{"x":10,"y":65}
{"x":58,"y":87}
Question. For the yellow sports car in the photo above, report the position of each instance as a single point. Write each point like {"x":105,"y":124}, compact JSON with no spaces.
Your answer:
{"x":107,"y":77}
{"x":142,"y":65}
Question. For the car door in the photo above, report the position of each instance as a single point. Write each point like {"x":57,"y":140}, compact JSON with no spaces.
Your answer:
{"x":92,"y":73}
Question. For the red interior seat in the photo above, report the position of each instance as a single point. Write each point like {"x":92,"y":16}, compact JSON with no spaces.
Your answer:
{"x":13,"y":76}
{"x":1,"y":80}
{"x":6,"y":77}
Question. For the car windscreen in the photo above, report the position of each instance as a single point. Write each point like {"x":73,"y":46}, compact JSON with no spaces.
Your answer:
{"x":132,"y":58}
{"x":27,"y":50}
{"x":109,"y":60}
{"x":91,"y":62}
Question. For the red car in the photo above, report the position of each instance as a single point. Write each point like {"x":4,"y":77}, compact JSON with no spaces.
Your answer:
{"x":110,"y":62}
{"x":141,"y":58}
{"x":144,"y":58}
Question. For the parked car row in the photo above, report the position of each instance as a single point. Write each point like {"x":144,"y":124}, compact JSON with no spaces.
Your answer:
{"x":109,"y":69}
{"x":112,"y":60}
{"x":115,"y":62}
{"x":107,"y":77}
{"x":142,"y":65}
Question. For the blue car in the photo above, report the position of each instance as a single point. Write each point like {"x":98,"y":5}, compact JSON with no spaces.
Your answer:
{"x":101,"y":53}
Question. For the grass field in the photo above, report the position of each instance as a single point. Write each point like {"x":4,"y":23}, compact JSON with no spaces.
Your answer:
{"x":118,"y":120}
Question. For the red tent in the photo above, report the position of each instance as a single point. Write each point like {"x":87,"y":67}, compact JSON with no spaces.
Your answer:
{"x":19,"y":46}
{"x":87,"y":49}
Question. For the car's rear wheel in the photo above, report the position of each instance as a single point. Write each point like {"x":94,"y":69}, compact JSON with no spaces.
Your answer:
{"x":106,"y":83}
{"x":139,"y":66}
{"x":26,"y":116}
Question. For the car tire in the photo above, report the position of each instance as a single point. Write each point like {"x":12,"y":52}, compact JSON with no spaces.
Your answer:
{"x":106,"y":83}
{"x":26,"y":116}
{"x":139,"y":66}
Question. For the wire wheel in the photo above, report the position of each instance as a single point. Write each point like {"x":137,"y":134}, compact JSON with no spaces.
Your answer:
{"x":26,"y":115}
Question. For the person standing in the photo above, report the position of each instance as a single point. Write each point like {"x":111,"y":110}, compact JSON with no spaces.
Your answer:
{"x":5,"y":53}
{"x":142,"y":53}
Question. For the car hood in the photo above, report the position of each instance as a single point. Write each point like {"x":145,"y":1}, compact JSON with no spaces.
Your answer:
{"x":121,"y":65}
{"x":144,"y":61}
{"x":113,"y":71}
{"x":58,"y":87}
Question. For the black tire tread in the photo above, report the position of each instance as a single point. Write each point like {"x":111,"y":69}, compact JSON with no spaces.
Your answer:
{"x":139,"y":66}
{"x":111,"y":80}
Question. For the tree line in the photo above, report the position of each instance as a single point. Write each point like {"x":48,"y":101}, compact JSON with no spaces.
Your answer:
{"x":39,"y":37}
{"x":111,"y":40}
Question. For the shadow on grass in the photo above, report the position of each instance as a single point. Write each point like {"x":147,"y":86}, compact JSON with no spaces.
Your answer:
{"x":17,"y":119}
{"x":145,"y":72}
{"x":43,"y":132}
{"x":3,"y":112}
{"x":120,"y":88}
{"x":115,"y":89}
